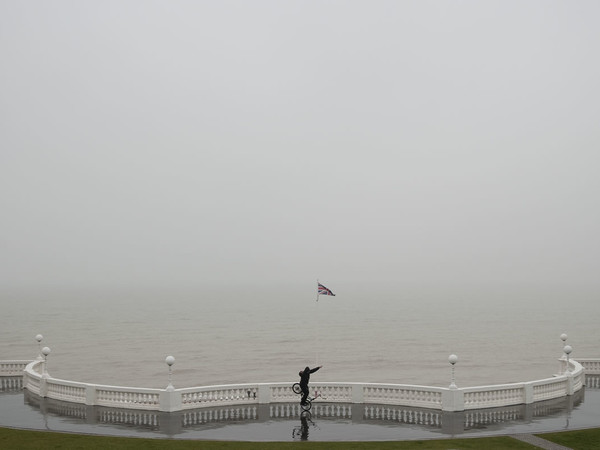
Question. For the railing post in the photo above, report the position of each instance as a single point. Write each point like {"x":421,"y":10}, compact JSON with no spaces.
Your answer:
{"x":358,"y":391}
{"x":170,"y":401}
{"x":453,"y":400}
{"x":90,"y":394}
{"x":563,"y":365}
{"x":264,"y":393}
{"x":528,"y":393}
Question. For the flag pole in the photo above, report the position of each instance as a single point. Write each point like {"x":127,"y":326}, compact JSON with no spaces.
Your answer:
{"x":317,"y":327}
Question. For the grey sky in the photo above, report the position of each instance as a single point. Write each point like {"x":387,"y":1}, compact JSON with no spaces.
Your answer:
{"x":186,"y":142}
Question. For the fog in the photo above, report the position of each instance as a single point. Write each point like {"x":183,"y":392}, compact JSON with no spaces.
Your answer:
{"x":186,"y":143}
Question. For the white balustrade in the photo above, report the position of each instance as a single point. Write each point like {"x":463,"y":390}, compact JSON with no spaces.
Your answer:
{"x":427,"y":397}
{"x":199,"y":397}
{"x":592,"y":381}
{"x":549,"y":388}
{"x":123,"y":397}
{"x":406,"y":395}
{"x":591,"y":365}
{"x":12,"y":368}
{"x":494,"y":396}
{"x":67,"y":391}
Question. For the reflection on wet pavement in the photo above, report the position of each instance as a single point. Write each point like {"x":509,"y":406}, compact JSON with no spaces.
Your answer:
{"x":285,"y":421}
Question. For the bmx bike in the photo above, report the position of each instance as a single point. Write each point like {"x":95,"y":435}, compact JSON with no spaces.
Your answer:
{"x":306,"y":406}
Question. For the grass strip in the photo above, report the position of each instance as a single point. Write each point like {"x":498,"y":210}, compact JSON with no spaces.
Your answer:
{"x":579,"y":439}
{"x":26,"y":439}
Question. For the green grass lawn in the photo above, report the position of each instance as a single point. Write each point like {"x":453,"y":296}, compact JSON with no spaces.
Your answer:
{"x":41,"y":440}
{"x":580,"y":440}
{"x":25,"y":439}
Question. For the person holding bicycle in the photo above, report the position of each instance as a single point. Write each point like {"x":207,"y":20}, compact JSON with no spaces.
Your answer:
{"x":304,"y":377}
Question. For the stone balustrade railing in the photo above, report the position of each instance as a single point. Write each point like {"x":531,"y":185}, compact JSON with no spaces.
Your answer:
{"x":37,"y":381}
{"x":591,"y":365}
{"x":12,"y":368}
{"x":174,"y":423}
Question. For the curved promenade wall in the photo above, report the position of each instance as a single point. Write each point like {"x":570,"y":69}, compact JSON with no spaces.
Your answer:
{"x":39,"y":382}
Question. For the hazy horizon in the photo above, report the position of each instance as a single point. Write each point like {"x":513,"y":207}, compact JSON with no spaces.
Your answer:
{"x":165,"y":144}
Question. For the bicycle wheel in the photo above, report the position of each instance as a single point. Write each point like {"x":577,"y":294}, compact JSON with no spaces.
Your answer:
{"x":306,"y":407}
{"x":296,"y":388}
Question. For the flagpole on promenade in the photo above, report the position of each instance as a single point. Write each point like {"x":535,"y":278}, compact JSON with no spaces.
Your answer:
{"x":317,"y":328}
{"x":321,"y":290}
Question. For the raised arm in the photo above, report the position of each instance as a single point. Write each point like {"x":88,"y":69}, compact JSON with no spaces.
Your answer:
{"x":315,"y":369}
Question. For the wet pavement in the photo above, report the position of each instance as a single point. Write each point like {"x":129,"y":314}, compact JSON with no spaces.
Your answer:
{"x":285,"y":422}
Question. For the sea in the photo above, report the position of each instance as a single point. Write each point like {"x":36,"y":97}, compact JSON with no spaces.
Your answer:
{"x":231,"y":334}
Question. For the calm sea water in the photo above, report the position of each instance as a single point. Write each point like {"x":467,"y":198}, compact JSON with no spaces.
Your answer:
{"x":253,"y":334}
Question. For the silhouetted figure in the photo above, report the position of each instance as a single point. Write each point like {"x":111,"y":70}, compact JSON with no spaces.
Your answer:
{"x":304,"y":378}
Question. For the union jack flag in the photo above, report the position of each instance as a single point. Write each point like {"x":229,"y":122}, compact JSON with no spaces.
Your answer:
{"x":322,"y":290}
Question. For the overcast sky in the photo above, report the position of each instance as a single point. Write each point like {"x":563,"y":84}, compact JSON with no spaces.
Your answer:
{"x":191,"y":142}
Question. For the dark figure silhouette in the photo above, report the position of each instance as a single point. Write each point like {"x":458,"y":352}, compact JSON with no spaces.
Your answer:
{"x":304,"y":378}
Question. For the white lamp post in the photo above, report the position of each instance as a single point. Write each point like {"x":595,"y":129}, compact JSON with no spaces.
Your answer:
{"x":563,"y":338}
{"x":39,"y":338}
{"x":45,"y":352}
{"x":568,"y":349}
{"x":453,"y":359}
{"x":170,"y":361}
